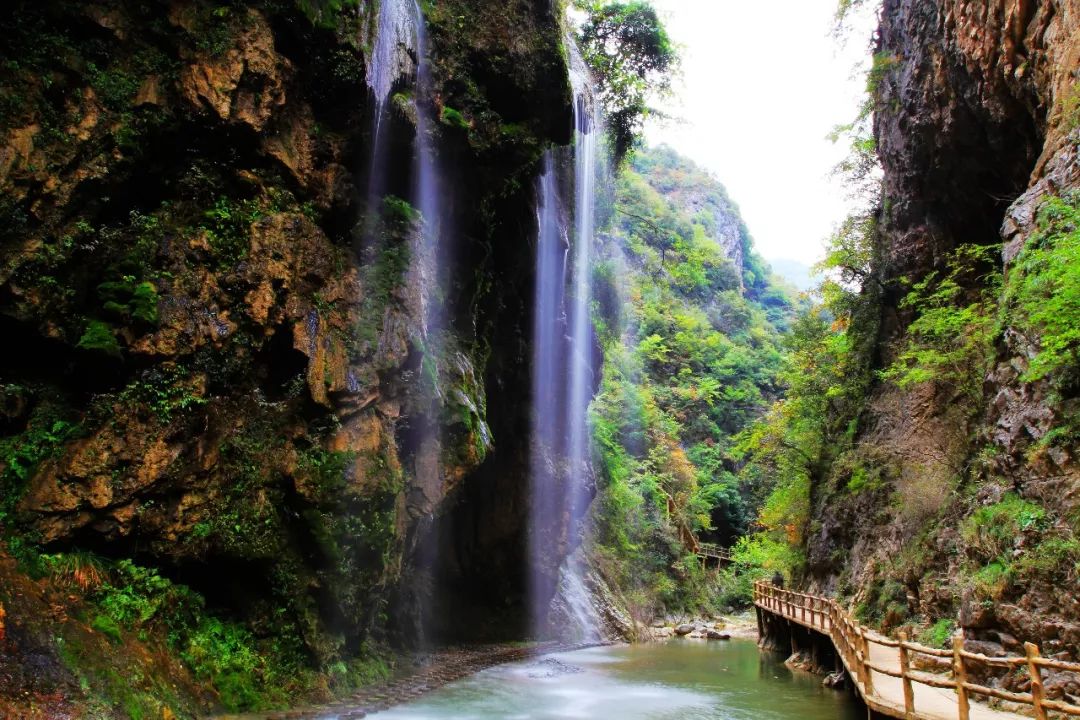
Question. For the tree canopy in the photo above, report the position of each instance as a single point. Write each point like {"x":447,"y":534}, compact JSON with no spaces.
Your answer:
{"x":632,"y":58}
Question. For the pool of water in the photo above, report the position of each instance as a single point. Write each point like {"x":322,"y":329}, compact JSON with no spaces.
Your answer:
{"x":684,"y":679}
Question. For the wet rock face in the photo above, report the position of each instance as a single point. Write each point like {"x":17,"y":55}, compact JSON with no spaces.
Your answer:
{"x":231,"y":345}
{"x":959,"y":120}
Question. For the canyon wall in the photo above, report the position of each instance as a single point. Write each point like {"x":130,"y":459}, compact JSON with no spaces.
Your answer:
{"x":218,"y":363}
{"x":974,"y":518}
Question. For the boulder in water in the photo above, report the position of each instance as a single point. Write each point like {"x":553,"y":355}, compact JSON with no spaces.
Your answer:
{"x":835,"y":680}
{"x":717,"y":635}
{"x":684,"y":629}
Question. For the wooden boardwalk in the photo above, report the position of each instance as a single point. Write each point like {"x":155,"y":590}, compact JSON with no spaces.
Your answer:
{"x":885,"y":673}
{"x":708,"y":551}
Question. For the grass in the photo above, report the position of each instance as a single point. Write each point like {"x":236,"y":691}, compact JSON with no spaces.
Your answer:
{"x":107,"y":626}
{"x":1014,"y":543}
{"x":81,"y":570}
{"x":939,"y":634}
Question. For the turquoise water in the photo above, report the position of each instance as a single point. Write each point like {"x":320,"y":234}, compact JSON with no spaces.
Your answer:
{"x":684,"y":679}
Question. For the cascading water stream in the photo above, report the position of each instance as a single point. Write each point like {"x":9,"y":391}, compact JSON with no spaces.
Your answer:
{"x":400,"y":51}
{"x":548,"y":371}
{"x":562,"y":361}
{"x":389,"y":61}
{"x":427,"y":191}
{"x":587,"y":127}
{"x":581,"y":371}
{"x":428,"y":274}
{"x":394,"y":34}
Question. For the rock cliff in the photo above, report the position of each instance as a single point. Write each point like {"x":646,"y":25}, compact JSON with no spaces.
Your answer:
{"x":974,"y":521}
{"x":218,"y":363}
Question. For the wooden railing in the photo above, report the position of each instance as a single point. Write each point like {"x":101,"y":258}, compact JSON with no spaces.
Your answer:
{"x":853,"y":642}
{"x":708,"y":550}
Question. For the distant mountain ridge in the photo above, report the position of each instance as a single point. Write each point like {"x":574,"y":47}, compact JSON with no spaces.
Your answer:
{"x":799,"y":274}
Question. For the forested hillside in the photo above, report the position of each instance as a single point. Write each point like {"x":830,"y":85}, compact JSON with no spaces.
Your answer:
{"x":691,"y":322}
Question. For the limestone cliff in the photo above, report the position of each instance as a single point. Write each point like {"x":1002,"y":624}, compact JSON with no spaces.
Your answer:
{"x":976,"y":129}
{"x":216,"y":354}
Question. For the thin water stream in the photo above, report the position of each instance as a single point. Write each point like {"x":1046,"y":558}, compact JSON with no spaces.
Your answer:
{"x":684,"y":679}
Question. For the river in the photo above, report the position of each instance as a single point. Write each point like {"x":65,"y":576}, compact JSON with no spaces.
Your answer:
{"x":684,"y":679}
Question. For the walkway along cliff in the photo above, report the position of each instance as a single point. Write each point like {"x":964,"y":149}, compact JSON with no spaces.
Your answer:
{"x":903,"y":679}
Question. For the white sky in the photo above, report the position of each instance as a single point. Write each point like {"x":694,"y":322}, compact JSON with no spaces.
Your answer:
{"x":763,"y":85}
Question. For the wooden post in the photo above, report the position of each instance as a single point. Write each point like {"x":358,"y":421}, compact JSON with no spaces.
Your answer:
{"x":909,"y":692}
{"x":760,"y":626}
{"x":866,"y":661}
{"x":802,"y":606}
{"x":1035,"y":672}
{"x":960,"y":674}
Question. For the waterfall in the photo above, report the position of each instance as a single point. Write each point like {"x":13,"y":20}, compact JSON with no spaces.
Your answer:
{"x":426,"y":177}
{"x":400,"y":52}
{"x":586,"y":124}
{"x":428,"y":278}
{"x":394,"y":34}
{"x":563,"y":377}
{"x":548,"y":371}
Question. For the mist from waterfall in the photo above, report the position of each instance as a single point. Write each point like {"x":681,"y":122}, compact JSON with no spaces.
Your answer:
{"x":563,"y":377}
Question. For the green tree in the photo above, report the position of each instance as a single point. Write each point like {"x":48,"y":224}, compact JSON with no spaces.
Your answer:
{"x":631,"y":57}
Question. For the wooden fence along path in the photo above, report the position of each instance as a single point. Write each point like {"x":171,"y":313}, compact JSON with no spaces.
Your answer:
{"x":884,"y":670}
{"x":715,"y":552}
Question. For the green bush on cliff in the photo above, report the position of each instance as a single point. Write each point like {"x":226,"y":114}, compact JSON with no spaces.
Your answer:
{"x":115,"y":86}
{"x":129,"y":299}
{"x":48,"y":428}
{"x":1043,"y":291}
{"x":1017,"y":541}
{"x":453,"y":118}
{"x":223,"y":654}
{"x":325,"y":13}
{"x":167,"y":390}
{"x":107,"y":626}
{"x":952,"y":339}
{"x":99,"y":337}
{"x":228,"y":226}
{"x":939,"y":634}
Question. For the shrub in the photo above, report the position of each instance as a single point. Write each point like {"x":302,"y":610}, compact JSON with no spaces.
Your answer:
{"x":107,"y":626}
{"x":98,"y":337}
{"x":46,"y":432}
{"x":453,"y":118}
{"x":952,"y":339}
{"x":939,"y":634}
{"x":76,"y":569}
{"x":991,"y":531}
{"x":993,"y":579}
{"x":1043,"y":290}
{"x":130,"y":299}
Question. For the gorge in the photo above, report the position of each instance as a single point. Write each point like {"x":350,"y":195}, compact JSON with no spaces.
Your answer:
{"x":344,"y":337}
